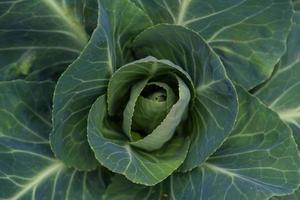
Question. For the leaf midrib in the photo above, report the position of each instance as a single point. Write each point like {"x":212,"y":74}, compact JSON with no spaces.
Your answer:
{"x":38,"y":179}
{"x":233,"y":175}
{"x":78,"y":30}
{"x":290,"y":115}
{"x":182,"y":11}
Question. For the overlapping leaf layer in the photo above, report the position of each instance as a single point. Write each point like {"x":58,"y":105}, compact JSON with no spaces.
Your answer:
{"x":149,"y":99}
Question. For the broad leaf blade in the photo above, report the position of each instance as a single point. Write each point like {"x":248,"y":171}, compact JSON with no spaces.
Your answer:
{"x":28,"y":169}
{"x":294,"y":196}
{"x":122,"y":189}
{"x":40,"y":38}
{"x":258,"y":160}
{"x":248,"y":35}
{"x":87,"y":78}
{"x":282,"y":92}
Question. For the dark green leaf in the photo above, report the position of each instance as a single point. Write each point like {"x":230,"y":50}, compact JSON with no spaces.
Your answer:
{"x":122,"y":189}
{"x":87,"y":78}
{"x":258,"y":160}
{"x":294,"y":196}
{"x":40,"y":38}
{"x":28,"y":169}
{"x":282,"y":92}
{"x":248,"y":35}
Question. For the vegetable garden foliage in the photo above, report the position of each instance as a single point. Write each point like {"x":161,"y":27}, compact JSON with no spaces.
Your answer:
{"x":149,"y":99}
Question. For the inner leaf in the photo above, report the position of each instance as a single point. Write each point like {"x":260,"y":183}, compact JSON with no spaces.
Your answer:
{"x":170,"y":113}
{"x":155,"y":93}
{"x":152,"y":106}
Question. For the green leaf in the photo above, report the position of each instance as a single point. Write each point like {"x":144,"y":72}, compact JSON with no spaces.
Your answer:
{"x":40,"y":38}
{"x":294,"y":196}
{"x":248,"y":35}
{"x":258,"y":160}
{"x":122,"y":189}
{"x":87,"y":78}
{"x":28,"y":169}
{"x":214,"y":92}
{"x":282,"y":92}
{"x":113,"y":151}
{"x":129,"y":110}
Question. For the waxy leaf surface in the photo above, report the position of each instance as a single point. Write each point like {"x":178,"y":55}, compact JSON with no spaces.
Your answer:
{"x":248,"y":35}
{"x":40,"y":38}
{"x":28,"y":169}
{"x":87,"y":78}
{"x":257,"y":161}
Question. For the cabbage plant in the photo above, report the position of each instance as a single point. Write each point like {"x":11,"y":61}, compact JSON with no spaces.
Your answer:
{"x":149,"y":99}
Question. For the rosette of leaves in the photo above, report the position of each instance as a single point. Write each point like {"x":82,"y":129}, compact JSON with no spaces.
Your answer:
{"x":163,"y":100}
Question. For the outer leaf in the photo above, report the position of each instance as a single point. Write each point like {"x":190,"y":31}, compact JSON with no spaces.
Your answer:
{"x":214,"y":92}
{"x":86,"y":79}
{"x":28,"y":169}
{"x":122,"y":189}
{"x":249,"y":35}
{"x":113,"y":151}
{"x":294,"y":196}
{"x":39,"y":38}
{"x":282,"y":92}
{"x":258,"y":160}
